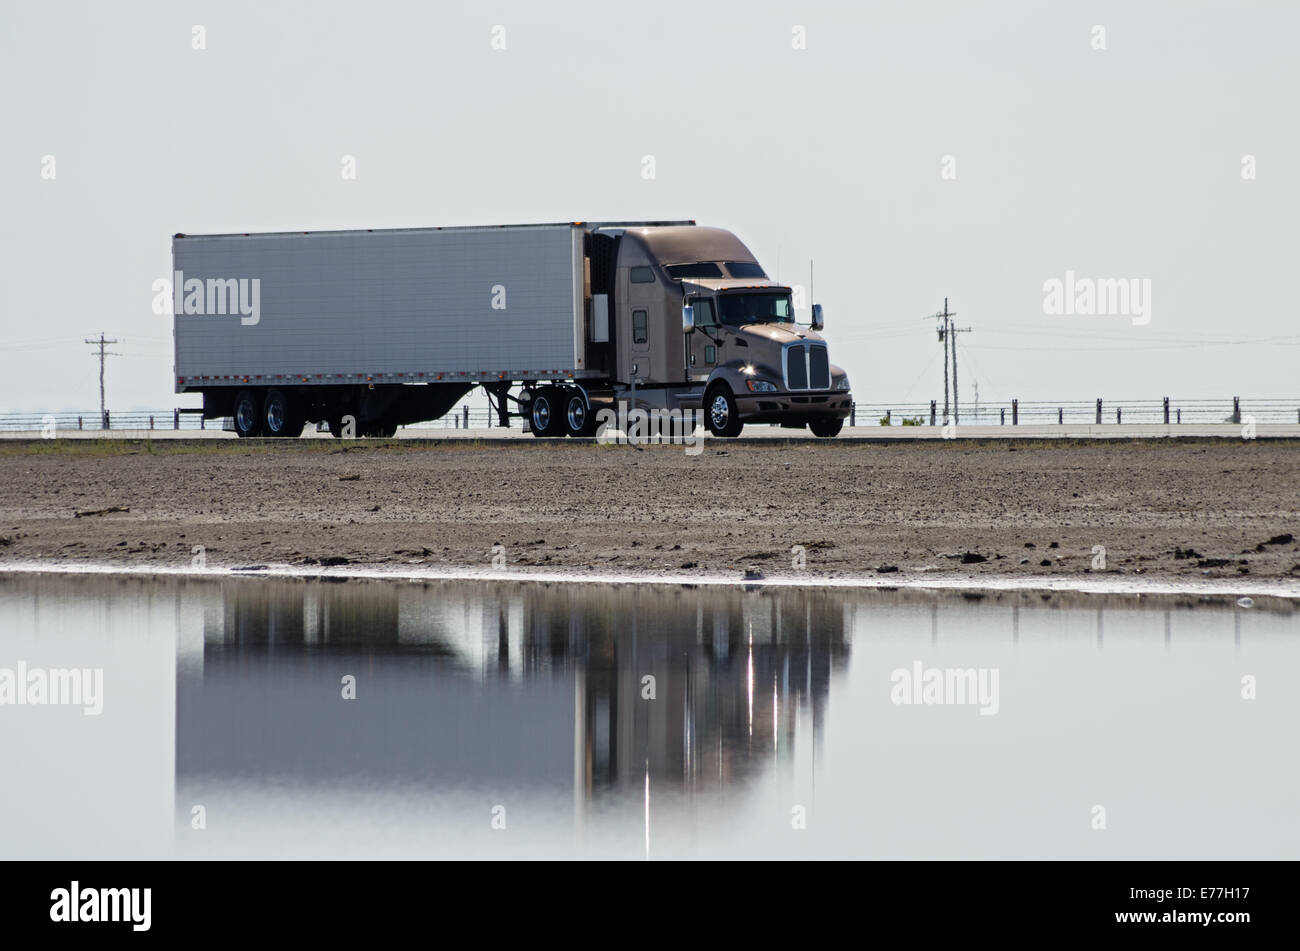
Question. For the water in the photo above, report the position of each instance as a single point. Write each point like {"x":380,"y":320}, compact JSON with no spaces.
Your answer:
{"x":770,"y":728}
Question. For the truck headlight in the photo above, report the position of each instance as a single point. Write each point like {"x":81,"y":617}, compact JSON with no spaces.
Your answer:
{"x":843,"y":384}
{"x":760,"y":386}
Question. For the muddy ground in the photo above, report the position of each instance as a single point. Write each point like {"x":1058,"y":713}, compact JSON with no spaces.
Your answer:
{"x":1211,"y":509}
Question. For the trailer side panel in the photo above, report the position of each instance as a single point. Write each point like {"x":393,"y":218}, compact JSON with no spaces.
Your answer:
{"x":396,"y":306}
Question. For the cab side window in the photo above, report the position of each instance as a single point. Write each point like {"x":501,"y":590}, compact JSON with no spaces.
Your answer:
{"x":642,"y":275}
{"x":639,"y":333}
{"x":704,"y":316}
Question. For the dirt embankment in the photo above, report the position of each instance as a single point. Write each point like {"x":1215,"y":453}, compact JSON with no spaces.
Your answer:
{"x":1166,"y":510}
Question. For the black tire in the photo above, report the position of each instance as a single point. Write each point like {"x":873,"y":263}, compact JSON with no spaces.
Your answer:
{"x":545,"y":417}
{"x":826,"y":428}
{"x":281,"y":415}
{"x":579,"y":418}
{"x":248,"y":414}
{"x":720,"y":414}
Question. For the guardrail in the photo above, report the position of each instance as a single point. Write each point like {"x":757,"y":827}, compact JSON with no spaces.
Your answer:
{"x":1164,"y":411}
{"x":1012,"y":413}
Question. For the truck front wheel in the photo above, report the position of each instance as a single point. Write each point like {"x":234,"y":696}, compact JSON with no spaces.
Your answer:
{"x":826,"y":428}
{"x":247,"y":414}
{"x":544,"y":414}
{"x":720,"y":413}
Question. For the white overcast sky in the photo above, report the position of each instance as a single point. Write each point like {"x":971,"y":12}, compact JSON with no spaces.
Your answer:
{"x":1122,"y":163}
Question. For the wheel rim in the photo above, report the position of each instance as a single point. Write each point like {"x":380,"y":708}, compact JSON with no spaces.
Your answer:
{"x":275,"y":416}
{"x":577,"y":414}
{"x":245,"y":416}
{"x":719,"y":411}
{"x":541,"y":414}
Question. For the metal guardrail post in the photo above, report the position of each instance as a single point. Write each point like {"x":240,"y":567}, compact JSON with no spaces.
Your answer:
{"x":888,"y":421}
{"x":1015,"y":412}
{"x":932,"y":411}
{"x":466,"y":409}
{"x":1166,"y":411}
{"x":1180,"y":414}
{"x":176,"y":419}
{"x":1119,"y":415}
{"x":1099,"y":411}
{"x":151,"y":422}
{"x":79,"y":423}
{"x":1002,"y":411}
{"x":1236,"y":409}
{"x":853,"y":413}
{"x":1060,"y":416}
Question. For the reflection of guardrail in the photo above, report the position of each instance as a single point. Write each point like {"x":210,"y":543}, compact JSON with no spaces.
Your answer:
{"x":192,"y":419}
{"x":1013,"y":413}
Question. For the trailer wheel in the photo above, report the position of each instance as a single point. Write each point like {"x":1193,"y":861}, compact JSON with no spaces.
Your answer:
{"x":826,"y":428}
{"x":248,"y":415}
{"x":720,"y":413}
{"x":544,"y":413}
{"x":579,"y":420}
{"x":280,"y":417}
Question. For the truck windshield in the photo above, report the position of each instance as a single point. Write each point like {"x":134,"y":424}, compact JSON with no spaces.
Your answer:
{"x":756,"y":309}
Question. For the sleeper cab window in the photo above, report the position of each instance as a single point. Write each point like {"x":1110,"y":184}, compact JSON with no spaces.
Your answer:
{"x":642,"y":275}
{"x":639,"y":334}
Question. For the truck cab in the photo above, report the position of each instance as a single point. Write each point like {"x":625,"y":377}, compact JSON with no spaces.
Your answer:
{"x":700,"y":326}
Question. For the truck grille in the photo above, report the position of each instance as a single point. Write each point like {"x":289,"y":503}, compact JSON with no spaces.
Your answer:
{"x":819,"y":368}
{"x":796,"y":368}
{"x":807,"y":367}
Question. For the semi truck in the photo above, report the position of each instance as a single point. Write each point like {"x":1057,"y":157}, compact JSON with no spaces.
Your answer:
{"x":364,"y":331}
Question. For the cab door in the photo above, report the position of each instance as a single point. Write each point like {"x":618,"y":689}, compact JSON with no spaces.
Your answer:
{"x":704,"y":344}
{"x":644,"y":323}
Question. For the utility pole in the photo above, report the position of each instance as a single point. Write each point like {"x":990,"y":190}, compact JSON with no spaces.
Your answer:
{"x":944,"y":329}
{"x":101,"y":343}
{"x":953,"y":332}
{"x":948,"y":340}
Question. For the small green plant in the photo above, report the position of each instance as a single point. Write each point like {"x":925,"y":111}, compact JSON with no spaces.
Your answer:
{"x":912,"y":421}
{"x":884,"y":420}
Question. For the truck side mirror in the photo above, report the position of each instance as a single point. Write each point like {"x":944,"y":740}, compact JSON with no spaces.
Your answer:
{"x":688,"y":319}
{"x":818,"y":320}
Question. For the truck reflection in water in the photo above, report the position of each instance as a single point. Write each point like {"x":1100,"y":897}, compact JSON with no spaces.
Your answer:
{"x":592,"y":692}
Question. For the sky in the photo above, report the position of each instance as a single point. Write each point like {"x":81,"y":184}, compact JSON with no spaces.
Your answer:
{"x":912,"y":150}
